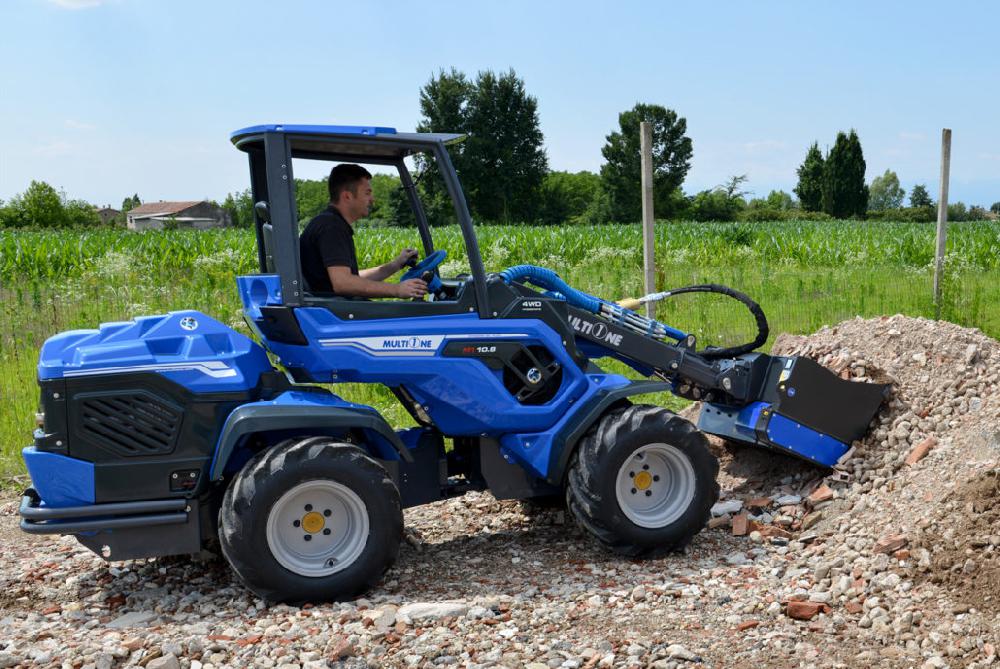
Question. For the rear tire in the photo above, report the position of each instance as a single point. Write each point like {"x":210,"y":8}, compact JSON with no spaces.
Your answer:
{"x":311,"y":520}
{"x":642,"y":481}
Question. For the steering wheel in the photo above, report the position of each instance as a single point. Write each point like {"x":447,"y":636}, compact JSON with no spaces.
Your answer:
{"x":428,"y":264}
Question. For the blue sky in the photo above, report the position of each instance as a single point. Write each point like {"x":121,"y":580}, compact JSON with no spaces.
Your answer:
{"x":103,"y":98}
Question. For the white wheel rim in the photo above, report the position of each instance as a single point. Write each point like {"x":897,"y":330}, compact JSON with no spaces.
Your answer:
{"x":317,"y":528}
{"x":655,"y":485}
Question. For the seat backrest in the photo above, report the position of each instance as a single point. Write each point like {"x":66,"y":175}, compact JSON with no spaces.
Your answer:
{"x":268,"y":231}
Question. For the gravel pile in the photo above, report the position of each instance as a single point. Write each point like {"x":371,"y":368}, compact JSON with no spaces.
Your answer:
{"x":883,"y":562}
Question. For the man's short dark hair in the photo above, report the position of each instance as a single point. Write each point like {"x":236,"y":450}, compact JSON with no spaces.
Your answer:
{"x":345,"y":177}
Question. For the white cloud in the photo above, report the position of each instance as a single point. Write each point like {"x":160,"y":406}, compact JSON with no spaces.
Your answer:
{"x":78,"y":125}
{"x":56,"y":147}
{"x":78,"y":4}
{"x":764,"y":146}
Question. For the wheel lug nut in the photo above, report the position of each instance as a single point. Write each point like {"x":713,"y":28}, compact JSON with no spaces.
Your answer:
{"x":326,"y":531}
{"x":327,"y":513}
{"x":631,"y":475}
{"x":308,"y":537}
{"x":656,"y":477}
{"x":645,"y":466}
{"x":309,"y":507}
{"x":633,"y":491}
{"x":649,"y":493}
{"x":296,"y":523}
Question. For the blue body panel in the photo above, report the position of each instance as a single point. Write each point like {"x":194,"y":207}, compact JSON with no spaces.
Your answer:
{"x":368,"y":130}
{"x":187,"y":347}
{"x":60,"y":480}
{"x":258,"y":291}
{"x":462,"y":395}
{"x":293,"y":398}
{"x":740,"y":424}
{"x":533,"y":450}
{"x":805,"y":442}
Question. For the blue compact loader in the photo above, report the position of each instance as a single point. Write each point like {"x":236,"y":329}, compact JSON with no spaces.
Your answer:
{"x":174,"y":434}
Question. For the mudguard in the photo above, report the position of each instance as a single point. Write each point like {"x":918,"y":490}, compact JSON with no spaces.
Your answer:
{"x":564,"y":444}
{"x":303,"y":411}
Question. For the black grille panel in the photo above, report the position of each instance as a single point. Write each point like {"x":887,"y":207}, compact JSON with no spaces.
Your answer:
{"x":135,"y":423}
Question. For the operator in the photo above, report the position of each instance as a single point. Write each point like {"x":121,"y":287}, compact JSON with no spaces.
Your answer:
{"x":326,"y":246}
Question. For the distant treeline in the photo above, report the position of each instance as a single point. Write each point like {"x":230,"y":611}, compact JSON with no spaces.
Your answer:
{"x":507,"y":179}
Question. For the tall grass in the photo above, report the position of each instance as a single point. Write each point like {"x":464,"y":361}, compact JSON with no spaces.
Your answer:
{"x":804,"y":274}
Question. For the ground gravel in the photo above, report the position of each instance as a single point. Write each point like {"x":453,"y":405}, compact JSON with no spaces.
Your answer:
{"x":800,"y":568}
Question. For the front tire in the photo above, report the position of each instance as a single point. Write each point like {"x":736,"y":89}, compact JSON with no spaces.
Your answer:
{"x":642,"y":481}
{"x":311,"y":519}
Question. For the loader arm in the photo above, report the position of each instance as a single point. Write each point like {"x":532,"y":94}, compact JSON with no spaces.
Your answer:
{"x":790,"y":404}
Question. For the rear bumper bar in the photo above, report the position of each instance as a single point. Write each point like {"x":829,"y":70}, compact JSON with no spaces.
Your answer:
{"x":37,"y":519}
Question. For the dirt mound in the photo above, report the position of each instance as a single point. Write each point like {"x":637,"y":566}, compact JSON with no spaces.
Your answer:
{"x":966,"y":544}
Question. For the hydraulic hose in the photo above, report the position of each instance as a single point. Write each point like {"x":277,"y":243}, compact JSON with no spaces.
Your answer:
{"x":549,"y":280}
{"x":758,"y":314}
{"x":554,"y":286}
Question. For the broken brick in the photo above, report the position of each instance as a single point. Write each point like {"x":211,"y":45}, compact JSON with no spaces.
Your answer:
{"x":821,"y":494}
{"x":741,"y":525}
{"x":805,"y":610}
{"x":890,"y":543}
{"x":854,"y":607}
{"x":920,"y":451}
{"x":773,"y":531}
{"x":811,"y":519}
{"x":747,"y":625}
{"x":759,"y":503}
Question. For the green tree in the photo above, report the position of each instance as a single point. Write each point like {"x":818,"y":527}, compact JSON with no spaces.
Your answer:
{"x":977,"y":213}
{"x":240,"y":208}
{"x":565,"y":196}
{"x":810,"y":187}
{"x":444,"y":101}
{"x":130,"y":203}
{"x":844,"y":191}
{"x":995,"y":207}
{"x":311,"y":197}
{"x":958,"y":212}
{"x":81,"y":214}
{"x":621,"y":175}
{"x":885,"y":192}
{"x":504,"y":160}
{"x":383,"y":186}
{"x":919,"y":197}
{"x":40,"y":206}
{"x":779,"y":199}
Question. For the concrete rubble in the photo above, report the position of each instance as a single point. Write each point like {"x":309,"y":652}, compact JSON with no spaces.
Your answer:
{"x":885,"y":561}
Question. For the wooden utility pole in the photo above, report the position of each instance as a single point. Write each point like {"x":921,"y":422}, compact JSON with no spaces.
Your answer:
{"x":942,"y":221}
{"x":646,"y":150}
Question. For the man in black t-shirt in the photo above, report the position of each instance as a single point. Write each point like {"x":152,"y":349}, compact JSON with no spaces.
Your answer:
{"x":326,"y":246}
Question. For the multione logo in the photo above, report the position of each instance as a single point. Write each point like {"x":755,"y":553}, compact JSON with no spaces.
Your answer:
{"x":408,"y":343}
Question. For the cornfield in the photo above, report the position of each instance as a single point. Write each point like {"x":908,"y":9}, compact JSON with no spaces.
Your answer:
{"x":804,"y":275}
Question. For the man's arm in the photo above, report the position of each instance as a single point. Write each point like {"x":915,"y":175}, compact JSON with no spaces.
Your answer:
{"x":349,"y":285}
{"x":383,"y":272}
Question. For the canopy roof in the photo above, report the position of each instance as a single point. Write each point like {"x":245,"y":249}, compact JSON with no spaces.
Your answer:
{"x":337,"y":142}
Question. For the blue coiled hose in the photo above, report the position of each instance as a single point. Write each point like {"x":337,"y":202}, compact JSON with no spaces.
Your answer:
{"x":557,"y":288}
{"x":549,"y":280}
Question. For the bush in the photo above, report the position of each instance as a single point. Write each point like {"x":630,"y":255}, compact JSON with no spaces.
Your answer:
{"x":905,"y":215}
{"x":566,"y":196}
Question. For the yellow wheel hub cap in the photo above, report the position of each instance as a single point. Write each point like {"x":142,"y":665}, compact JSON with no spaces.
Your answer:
{"x":313,"y":522}
{"x":643,"y":480}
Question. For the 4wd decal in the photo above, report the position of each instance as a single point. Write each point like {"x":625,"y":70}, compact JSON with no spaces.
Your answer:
{"x":596,"y":330}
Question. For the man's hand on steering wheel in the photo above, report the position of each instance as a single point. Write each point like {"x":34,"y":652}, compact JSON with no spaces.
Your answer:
{"x":413,"y":288}
{"x":405,"y":257}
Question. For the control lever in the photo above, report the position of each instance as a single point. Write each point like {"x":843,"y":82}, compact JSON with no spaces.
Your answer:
{"x":426,"y":278}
